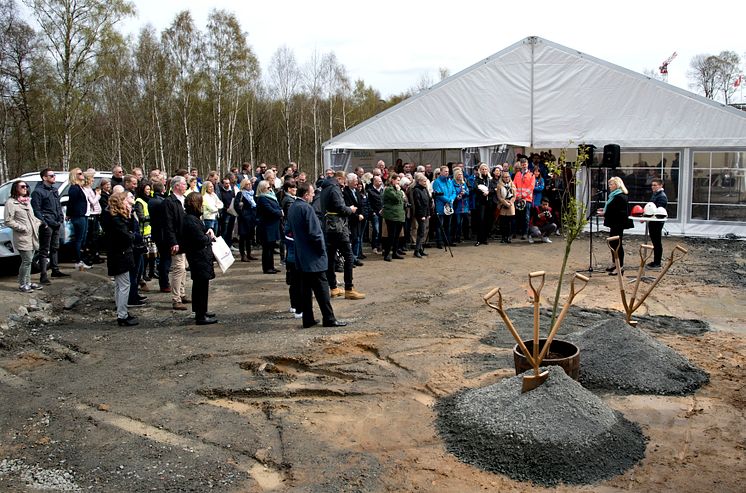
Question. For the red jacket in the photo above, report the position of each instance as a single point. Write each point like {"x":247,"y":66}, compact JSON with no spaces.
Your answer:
{"x":524,"y":185}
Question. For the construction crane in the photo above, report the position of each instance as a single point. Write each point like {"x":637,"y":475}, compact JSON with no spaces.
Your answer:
{"x":664,"y":66}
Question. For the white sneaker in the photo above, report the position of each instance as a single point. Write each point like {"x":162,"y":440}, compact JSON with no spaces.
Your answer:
{"x":82,"y":266}
{"x":298,"y":315}
{"x":546,"y":240}
{"x":531,"y":239}
{"x":25,"y":289}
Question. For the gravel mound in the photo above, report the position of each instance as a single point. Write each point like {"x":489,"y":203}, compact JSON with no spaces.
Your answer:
{"x":556,"y":433}
{"x":617,"y":357}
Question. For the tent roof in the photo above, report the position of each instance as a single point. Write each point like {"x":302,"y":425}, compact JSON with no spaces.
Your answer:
{"x":541,"y":94}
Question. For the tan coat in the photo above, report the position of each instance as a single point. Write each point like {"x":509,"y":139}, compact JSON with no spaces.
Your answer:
{"x":507,"y":206}
{"x":20,"y":218}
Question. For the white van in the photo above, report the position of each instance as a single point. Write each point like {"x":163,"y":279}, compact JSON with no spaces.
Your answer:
{"x":33,"y":179}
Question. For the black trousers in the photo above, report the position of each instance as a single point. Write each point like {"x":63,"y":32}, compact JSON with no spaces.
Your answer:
{"x":293,"y":280}
{"x":200,"y":293}
{"x":441,"y":234}
{"x":485,"y":216}
{"x":268,"y":255}
{"x":49,"y":244}
{"x":617,"y":231}
{"x":315,"y":283}
{"x":656,"y":233}
{"x":390,"y":242}
{"x":505,"y":226}
{"x":339,"y":242}
{"x":164,"y":265}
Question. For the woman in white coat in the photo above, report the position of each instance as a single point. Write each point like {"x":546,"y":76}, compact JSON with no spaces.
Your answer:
{"x":19,"y":216}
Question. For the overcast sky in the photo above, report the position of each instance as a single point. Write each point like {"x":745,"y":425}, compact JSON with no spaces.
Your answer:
{"x":391,"y":44}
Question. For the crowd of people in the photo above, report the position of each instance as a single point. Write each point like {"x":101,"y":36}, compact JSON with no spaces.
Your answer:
{"x":160,"y":227}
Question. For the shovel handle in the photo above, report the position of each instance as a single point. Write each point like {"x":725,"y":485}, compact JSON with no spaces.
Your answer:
{"x":509,"y":324}
{"x":490,"y":295}
{"x":563,"y":313}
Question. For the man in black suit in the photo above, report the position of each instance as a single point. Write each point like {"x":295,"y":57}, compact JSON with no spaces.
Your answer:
{"x":310,"y":258}
{"x":157,"y":223}
{"x":173,"y":208}
{"x":356,"y":220}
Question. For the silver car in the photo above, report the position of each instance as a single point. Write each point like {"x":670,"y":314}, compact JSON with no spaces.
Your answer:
{"x":33,"y":180}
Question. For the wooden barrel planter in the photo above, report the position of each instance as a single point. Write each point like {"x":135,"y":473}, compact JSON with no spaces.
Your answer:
{"x":561,"y":353}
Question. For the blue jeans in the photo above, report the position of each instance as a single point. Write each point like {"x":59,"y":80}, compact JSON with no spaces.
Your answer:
{"x":80,"y":230}
{"x":375,"y":233}
{"x":211,"y":224}
{"x":226,"y":227}
{"x":458,"y":225}
{"x":357,"y":241}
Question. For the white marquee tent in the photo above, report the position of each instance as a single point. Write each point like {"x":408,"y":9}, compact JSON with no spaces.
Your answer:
{"x":541,"y":95}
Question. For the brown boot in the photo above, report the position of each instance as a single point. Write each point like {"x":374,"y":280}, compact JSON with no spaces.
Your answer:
{"x":336,"y":292}
{"x":244,"y":258}
{"x":351,"y":294}
{"x":179,"y":306}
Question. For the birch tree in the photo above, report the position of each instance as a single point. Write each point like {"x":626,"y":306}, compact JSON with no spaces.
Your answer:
{"x":230,"y":65}
{"x":284,"y":77}
{"x":76,"y":32}
{"x":150,"y":67}
{"x":183,"y":44}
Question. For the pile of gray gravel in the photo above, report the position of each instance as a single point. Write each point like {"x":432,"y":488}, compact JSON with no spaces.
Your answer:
{"x":556,"y":433}
{"x":617,"y":357}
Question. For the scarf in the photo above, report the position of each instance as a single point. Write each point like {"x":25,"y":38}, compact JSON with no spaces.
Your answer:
{"x":249,"y":196}
{"x":613,"y":194}
{"x":24,"y":200}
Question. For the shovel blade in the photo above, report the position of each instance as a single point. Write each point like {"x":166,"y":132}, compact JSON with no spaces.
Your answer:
{"x":530,"y":382}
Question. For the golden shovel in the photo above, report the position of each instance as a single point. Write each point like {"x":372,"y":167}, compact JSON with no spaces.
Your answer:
{"x":530,"y":382}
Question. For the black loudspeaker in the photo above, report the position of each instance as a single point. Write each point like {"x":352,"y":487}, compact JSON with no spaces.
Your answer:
{"x":588,"y":150}
{"x":611,"y":156}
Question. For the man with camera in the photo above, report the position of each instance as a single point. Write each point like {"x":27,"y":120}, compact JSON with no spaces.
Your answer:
{"x":542,"y":223}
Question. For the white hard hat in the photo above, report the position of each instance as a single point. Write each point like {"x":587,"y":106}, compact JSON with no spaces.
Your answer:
{"x":649,"y":210}
{"x":661,"y":213}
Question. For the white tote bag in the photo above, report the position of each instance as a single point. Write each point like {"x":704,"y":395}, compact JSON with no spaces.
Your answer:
{"x":222,"y":254}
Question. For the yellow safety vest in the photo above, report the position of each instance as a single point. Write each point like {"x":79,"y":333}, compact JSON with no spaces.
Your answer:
{"x":145,"y":228}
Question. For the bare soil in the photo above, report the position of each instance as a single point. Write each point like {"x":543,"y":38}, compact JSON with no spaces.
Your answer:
{"x":255,"y":403}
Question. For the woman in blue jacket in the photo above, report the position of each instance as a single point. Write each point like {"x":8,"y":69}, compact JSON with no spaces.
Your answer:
{"x":269,"y":214}
{"x":77,"y":212}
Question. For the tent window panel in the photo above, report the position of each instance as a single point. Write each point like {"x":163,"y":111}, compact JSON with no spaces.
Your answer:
{"x":434,"y":157}
{"x":453,"y":155}
{"x":718,"y":186}
{"x":700,"y":211}
{"x":733,"y":213}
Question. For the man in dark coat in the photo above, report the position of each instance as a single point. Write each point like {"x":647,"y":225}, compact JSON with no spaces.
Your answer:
{"x":655,"y":228}
{"x":157,"y":224}
{"x":336,"y":227}
{"x":45,"y":201}
{"x":173,"y":208}
{"x":353,"y":198}
{"x":311,"y":258}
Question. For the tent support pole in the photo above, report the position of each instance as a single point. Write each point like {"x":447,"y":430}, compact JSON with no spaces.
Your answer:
{"x":532,"y":41}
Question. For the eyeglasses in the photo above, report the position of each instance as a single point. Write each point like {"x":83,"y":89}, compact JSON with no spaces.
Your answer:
{"x":22,"y":186}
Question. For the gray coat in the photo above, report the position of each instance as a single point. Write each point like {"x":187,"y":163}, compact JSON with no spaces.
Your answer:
{"x":20,"y":218}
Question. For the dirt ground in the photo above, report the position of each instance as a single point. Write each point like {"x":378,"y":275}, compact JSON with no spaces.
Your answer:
{"x":255,"y":403}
